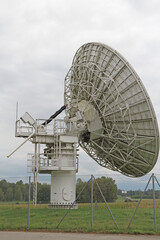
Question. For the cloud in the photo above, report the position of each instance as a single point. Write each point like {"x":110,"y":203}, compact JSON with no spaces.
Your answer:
{"x":38,"y":40}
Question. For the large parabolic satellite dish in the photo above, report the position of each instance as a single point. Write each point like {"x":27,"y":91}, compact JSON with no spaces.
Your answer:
{"x":108,"y":112}
{"x":116,"y":120}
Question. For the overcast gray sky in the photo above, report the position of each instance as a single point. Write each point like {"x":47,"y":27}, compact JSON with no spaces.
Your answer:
{"x":38,"y":39}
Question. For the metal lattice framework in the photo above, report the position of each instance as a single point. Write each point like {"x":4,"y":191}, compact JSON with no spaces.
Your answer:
{"x":126,"y":136}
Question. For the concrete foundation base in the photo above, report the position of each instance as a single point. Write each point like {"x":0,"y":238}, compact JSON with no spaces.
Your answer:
{"x":62,"y":206}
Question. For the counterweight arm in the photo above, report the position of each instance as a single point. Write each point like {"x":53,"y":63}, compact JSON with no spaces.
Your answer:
{"x":54,"y":115}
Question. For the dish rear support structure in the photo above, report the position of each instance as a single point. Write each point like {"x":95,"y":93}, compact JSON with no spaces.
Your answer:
{"x":56,"y":154}
{"x":121,"y":127}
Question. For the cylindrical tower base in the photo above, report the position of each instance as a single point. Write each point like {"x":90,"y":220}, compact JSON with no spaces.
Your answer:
{"x":63,"y":189}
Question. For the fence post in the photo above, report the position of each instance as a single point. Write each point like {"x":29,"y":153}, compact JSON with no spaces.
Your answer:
{"x":29,"y":199}
{"x":91,"y":201}
{"x":105,"y":202}
{"x":139,"y":201}
{"x":154,"y":207}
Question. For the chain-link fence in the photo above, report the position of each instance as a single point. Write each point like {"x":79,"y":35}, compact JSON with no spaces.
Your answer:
{"x":136,"y":207}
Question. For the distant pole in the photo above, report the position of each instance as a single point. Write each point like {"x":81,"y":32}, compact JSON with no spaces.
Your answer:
{"x":154,"y":207}
{"x":29,"y":199}
{"x":91,"y":201}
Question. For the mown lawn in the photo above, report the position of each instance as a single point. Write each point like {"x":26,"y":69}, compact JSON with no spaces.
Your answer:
{"x":15,"y":216}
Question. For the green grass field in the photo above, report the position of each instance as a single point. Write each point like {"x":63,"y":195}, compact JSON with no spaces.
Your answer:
{"x":15,"y":217}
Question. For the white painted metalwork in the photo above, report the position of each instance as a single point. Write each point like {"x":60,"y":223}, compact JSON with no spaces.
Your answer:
{"x":108,"y":112}
{"x":59,"y":158}
{"x":120,"y":130}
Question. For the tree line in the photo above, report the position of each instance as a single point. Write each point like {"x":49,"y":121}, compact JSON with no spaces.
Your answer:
{"x":19,"y":191}
{"x":138,"y":193}
{"x":107,"y":186}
